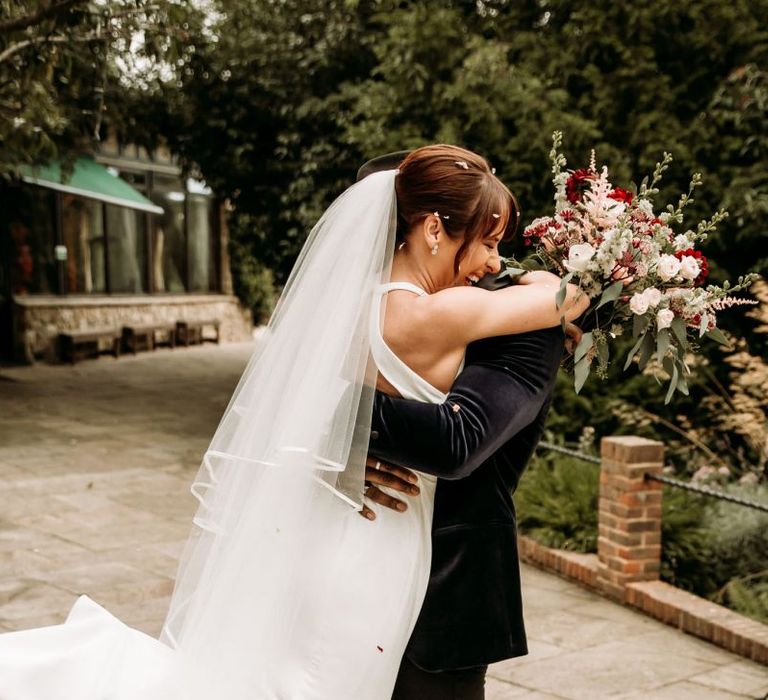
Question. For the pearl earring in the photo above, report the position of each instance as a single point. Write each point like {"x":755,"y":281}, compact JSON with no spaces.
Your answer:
{"x":434,"y":249}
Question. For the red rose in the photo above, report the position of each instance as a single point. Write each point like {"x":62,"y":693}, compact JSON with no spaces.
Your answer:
{"x":621,"y":195}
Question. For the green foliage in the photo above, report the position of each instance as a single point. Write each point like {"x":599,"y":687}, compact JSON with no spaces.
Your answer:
{"x":748,"y":595}
{"x":556,"y":502}
{"x":254,"y":284}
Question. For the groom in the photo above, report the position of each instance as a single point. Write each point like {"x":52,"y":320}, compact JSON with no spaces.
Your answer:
{"x":478,"y":443}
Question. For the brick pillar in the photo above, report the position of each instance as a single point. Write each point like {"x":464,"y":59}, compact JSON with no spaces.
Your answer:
{"x":629,"y":522}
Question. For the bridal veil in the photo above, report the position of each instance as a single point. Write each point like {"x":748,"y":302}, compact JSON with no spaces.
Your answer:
{"x":289,"y":451}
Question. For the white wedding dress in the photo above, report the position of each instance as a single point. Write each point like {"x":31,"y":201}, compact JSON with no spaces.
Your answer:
{"x":359,"y":604}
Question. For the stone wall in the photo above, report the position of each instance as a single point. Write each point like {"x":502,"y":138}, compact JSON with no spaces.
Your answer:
{"x":39,"y":319}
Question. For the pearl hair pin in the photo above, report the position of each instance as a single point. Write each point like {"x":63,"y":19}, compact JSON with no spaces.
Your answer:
{"x":462,"y":164}
{"x":496,"y":216}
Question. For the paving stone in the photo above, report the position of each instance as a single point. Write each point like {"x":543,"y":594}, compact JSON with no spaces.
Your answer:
{"x":605,"y":670}
{"x":685,"y":691}
{"x":738,"y":677}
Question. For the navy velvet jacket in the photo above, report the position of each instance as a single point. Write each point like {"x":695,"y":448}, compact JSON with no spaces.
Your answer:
{"x":472,"y":614}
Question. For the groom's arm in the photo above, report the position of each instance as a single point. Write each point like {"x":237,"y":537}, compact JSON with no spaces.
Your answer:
{"x":500,"y":392}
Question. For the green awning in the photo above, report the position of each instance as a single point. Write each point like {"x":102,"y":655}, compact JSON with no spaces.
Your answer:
{"x":91,"y":180}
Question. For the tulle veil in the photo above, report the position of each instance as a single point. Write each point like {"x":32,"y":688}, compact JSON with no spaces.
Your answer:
{"x":288,"y":453}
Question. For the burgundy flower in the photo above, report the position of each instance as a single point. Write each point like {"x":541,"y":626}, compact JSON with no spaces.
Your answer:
{"x":577,"y":184}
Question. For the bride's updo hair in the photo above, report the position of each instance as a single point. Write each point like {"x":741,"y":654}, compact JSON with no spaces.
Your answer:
{"x":458,"y":184}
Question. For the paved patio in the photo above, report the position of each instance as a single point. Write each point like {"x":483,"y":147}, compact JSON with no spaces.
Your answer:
{"x":95,"y":464}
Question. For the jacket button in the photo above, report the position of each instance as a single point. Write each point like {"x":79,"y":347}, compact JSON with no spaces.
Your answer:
{"x":374,"y":434}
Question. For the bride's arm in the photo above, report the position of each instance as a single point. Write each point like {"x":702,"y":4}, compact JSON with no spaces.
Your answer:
{"x":471,"y":313}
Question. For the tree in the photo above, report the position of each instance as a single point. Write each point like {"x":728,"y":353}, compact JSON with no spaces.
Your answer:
{"x":65,"y":65}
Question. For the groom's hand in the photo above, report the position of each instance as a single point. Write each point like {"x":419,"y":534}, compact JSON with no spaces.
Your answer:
{"x":379,"y":473}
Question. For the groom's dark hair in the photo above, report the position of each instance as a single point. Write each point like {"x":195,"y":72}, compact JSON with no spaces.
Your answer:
{"x":389,"y":161}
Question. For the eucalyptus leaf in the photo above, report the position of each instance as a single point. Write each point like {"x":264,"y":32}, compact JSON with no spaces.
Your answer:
{"x":514,"y":273}
{"x":632,"y":352}
{"x":703,"y":324}
{"x":611,"y":293}
{"x":561,"y":293}
{"x":717,"y":335}
{"x":581,"y":372}
{"x":672,"y":384}
{"x":639,"y":324}
{"x":680,"y":331}
{"x":583,"y":347}
{"x":662,"y":343}
{"x":646,"y":350}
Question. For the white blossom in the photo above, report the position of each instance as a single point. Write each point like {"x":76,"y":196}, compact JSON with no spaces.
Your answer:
{"x":689,"y":267}
{"x":653,"y":296}
{"x":638,"y":304}
{"x":561,"y":198}
{"x":682,"y":242}
{"x":667,"y":267}
{"x":645,"y":206}
{"x":578,"y":257}
{"x":664,"y":318}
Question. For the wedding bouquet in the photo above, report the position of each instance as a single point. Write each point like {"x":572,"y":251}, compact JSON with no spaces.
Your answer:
{"x":642,"y":275}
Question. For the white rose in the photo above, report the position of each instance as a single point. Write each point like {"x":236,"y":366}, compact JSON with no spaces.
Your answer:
{"x":682,"y":242}
{"x":579,"y":256}
{"x":667,"y":267}
{"x":689,"y":267}
{"x":638,"y":304}
{"x":653,"y":296}
{"x":664,"y":318}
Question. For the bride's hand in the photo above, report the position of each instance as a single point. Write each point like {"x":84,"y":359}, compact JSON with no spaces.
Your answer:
{"x":395,"y":478}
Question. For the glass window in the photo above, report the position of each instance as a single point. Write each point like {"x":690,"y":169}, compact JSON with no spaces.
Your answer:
{"x":168,"y":249}
{"x":30,"y":216}
{"x":126,"y":249}
{"x":199,"y":231}
{"x":82,"y":233}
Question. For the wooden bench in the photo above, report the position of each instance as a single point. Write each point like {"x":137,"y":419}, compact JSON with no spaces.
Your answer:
{"x":144,"y":337}
{"x":191,"y":332}
{"x":75,"y":345}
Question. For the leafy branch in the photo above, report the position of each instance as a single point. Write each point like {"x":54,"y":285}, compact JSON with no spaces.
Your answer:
{"x":51,"y":10}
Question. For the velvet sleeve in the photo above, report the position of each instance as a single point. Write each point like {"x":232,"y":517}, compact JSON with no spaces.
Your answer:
{"x":501,"y":390}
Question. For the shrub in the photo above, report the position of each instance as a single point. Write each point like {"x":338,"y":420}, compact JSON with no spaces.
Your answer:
{"x":557,"y":502}
{"x":255,"y":286}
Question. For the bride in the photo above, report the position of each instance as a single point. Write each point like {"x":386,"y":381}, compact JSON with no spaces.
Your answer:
{"x":283,"y":591}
